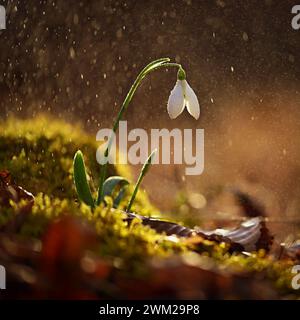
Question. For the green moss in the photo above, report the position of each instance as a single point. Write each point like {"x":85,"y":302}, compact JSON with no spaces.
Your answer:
{"x":130,"y":245}
{"x":263,"y":265}
{"x":39,"y":154}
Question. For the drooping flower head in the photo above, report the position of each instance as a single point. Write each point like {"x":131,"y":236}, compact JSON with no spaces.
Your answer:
{"x":183,"y":96}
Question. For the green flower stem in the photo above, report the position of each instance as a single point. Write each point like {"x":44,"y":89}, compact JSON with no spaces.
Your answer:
{"x":144,"y":170}
{"x":154,"y":65}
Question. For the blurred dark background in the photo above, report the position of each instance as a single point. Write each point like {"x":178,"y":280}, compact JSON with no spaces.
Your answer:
{"x":77,"y":60}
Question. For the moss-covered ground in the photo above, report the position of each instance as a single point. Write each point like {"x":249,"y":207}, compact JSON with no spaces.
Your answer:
{"x":39,"y":154}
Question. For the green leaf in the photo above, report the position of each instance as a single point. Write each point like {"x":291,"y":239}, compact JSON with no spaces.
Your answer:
{"x":80,"y":179}
{"x":111,"y":183}
{"x":148,"y":163}
{"x":144,"y":171}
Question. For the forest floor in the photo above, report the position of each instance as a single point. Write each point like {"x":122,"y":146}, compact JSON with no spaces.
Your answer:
{"x":53,"y":246}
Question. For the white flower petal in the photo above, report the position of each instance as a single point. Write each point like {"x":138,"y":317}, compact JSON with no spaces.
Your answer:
{"x":191,"y":101}
{"x":176,"y":101}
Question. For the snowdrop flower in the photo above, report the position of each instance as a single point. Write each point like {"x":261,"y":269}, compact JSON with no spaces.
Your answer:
{"x":183,"y":96}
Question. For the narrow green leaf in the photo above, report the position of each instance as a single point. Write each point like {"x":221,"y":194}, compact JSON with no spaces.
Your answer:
{"x":80,"y":179}
{"x":144,"y":171}
{"x":148,"y":162}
